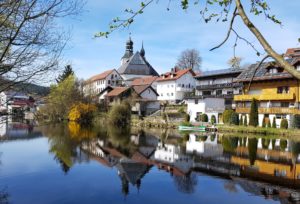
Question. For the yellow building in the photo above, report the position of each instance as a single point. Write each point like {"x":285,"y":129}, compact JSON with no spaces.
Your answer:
{"x":276,"y":90}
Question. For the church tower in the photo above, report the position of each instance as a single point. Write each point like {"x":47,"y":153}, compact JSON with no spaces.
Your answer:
{"x":128,"y":51}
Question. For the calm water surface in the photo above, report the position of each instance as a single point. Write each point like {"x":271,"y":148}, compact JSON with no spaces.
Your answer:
{"x":71,"y":164}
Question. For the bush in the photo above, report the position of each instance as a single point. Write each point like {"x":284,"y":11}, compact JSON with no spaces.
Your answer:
{"x":187,"y":117}
{"x":274,"y":123}
{"x":213,"y":119}
{"x":227,"y":116}
{"x":283,"y":144}
{"x":253,"y":120}
{"x":234,"y":119}
{"x":181,"y":110}
{"x":296,"y":121}
{"x":204,"y":118}
{"x":82,"y":112}
{"x":186,"y":123}
{"x":263,"y":124}
{"x":284,"y":124}
{"x":268,"y":123}
{"x":120,"y":114}
{"x":241,"y":120}
{"x":245,"y":121}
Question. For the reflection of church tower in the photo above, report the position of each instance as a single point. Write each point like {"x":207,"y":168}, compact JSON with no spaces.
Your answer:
{"x":128,"y":51}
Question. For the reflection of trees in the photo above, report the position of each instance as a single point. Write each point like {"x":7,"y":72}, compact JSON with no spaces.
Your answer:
{"x":252,"y":149}
{"x":265,"y":143}
{"x":4,"y":196}
{"x":230,"y":187}
{"x":120,"y":139}
{"x":230,"y":143}
{"x":283,"y":144}
{"x":186,"y":184}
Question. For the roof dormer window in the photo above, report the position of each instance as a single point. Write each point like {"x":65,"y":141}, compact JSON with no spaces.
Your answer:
{"x":273,"y":71}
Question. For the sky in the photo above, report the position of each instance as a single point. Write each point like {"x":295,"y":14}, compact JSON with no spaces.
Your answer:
{"x":166,"y":34}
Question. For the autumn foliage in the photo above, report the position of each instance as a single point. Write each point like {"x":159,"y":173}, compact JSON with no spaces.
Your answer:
{"x":82,"y":112}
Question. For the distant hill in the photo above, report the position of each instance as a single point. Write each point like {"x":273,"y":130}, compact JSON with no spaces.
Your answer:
{"x":32,"y":89}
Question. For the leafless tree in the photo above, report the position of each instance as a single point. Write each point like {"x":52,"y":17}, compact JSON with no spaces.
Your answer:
{"x":189,"y":58}
{"x":221,"y":11}
{"x":235,"y":62}
{"x":31,"y":42}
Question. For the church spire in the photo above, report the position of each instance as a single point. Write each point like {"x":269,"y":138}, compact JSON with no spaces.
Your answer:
{"x":142,"y":50}
{"x":128,"y":51}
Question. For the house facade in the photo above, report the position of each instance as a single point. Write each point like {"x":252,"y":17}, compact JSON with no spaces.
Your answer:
{"x":13,"y":102}
{"x":98,"y":83}
{"x":219,"y":84}
{"x":276,"y":91}
{"x":173,"y":86}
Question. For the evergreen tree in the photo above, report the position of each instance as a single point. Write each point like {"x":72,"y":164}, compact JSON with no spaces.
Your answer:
{"x":241,"y":120}
{"x":245,"y":121}
{"x":274,"y":123}
{"x":263,"y":124}
{"x":269,"y":123}
{"x":234,"y":119}
{"x":66,"y":73}
{"x":284,"y":124}
{"x":253,"y":120}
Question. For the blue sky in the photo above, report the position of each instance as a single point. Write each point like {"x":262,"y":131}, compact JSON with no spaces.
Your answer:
{"x":166,"y":33}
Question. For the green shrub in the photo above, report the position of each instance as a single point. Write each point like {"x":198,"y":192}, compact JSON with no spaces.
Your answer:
{"x":241,"y":120}
{"x":204,"y":118}
{"x":227,"y":116}
{"x":234,"y":119}
{"x":213,"y":119}
{"x":245,"y":121}
{"x":263,"y":124}
{"x":274,"y":123}
{"x":253,"y":118}
{"x":186,"y":123}
{"x":296,"y":121}
{"x":268,"y":123}
{"x":181,"y":110}
{"x":120,"y":114}
{"x":283,"y":144}
{"x":187,"y":117}
{"x":284,"y":124}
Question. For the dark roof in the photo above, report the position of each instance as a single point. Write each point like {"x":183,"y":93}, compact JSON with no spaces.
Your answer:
{"x":219,"y":72}
{"x":139,"y":89}
{"x":262,"y":72}
{"x":137,"y":65}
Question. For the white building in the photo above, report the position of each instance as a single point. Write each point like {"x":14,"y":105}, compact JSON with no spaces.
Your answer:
{"x":99,"y":82}
{"x":12,"y":100}
{"x":210,"y":106}
{"x":173,"y":86}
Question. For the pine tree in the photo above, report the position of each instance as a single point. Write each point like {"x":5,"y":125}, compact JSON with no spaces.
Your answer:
{"x":253,"y":120}
{"x":66,"y":73}
{"x":269,"y":123}
{"x":263,"y":124}
{"x":245,"y":121}
{"x":274,"y":123}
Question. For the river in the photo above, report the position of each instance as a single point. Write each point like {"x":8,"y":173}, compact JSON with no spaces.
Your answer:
{"x":71,"y":164}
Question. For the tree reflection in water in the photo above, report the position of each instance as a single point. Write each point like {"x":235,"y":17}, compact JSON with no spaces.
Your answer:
{"x":4,"y":196}
{"x":186,"y":183}
{"x":252,"y":149}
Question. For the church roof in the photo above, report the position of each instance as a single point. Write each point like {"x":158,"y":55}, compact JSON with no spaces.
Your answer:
{"x":144,"y":81}
{"x":137,"y":65}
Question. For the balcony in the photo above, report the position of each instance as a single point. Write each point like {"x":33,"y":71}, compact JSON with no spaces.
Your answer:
{"x":218,"y":86}
{"x":184,"y":89}
{"x":265,"y":97}
{"x":273,"y":110}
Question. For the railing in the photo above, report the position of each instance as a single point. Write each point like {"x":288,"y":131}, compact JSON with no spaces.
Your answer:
{"x":265,"y":97}
{"x":273,"y":110}
{"x":216,"y":86}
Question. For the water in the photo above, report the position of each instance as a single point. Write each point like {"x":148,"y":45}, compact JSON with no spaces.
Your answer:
{"x":71,"y":164}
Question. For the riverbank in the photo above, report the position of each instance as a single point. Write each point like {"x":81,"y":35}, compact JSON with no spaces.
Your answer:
{"x":154,"y":122}
{"x":258,"y":130}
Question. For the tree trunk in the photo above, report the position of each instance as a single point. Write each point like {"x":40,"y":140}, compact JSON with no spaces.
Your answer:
{"x":267,"y":47}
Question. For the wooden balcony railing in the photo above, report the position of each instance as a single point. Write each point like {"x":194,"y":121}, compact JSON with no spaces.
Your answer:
{"x":217,"y":86}
{"x":273,"y":110}
{"x":265,"y":97}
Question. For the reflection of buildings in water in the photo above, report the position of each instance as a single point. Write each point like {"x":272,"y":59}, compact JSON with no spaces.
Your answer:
{"x":146,"y":143}
{"x":172,"y":154}
{"x":208,"y":148}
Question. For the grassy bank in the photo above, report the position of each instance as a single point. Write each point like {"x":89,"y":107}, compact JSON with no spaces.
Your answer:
{"x":153,"y":122}
{"x":258,"y":130}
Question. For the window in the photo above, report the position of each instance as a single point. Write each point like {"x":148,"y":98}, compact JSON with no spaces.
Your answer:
{"x":196,"y":101}
{"x":178,"y":85}
{"x":206,"y":93}
{"x":182,"y":85}
{"x":219,"y":92}
{"x":108,"y":81}
{"x":285,"y":104}
{"x":229,"y":92}
{"x":280,"y":116}
{"x":283,"y":89}
{"x":172,"y":94}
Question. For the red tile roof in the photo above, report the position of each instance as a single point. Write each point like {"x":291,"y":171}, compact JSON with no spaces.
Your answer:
{"x":292,"y":52}
{"x":103,"y":75}
{"x":175,"y":75}
{"x":117,"y":91}
{"x":144,"y":81}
